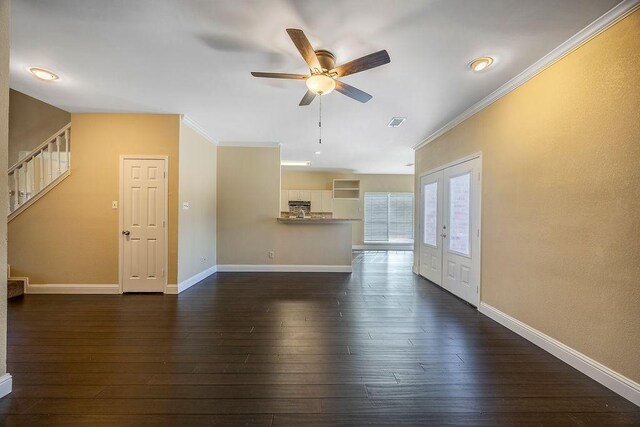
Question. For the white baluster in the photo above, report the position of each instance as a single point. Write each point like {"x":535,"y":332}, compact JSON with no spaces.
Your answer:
{"x":66,"y":149}
{"x":41,"y":169}
{"x":50,"y":151}
{"x":58,"y":141}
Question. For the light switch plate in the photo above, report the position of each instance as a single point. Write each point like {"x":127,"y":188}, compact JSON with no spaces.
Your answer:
{"x":114,"y":204}
{"x":186,"y":205}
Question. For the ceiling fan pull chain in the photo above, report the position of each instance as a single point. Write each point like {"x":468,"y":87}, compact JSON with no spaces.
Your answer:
{"x":320,"y":122}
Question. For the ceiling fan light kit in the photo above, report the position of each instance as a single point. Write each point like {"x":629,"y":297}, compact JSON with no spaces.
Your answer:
{"x":320,"y":84}
{"x":322,"y":79}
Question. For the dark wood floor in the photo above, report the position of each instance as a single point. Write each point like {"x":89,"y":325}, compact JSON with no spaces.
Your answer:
{"x":379,"y":346}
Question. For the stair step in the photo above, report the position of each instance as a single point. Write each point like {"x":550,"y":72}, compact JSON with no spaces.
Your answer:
{"x":15,"y":288}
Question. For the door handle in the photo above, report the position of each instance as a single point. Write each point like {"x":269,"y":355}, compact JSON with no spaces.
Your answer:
{"x":126,"y":232}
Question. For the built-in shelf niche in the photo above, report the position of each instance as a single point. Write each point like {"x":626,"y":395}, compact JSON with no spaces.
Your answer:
{"x":346,"y":189}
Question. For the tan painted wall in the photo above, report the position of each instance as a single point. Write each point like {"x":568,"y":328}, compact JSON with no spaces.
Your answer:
{"x":4,"y":142}
{"x":248,"y":204}
{"x":31,"y":121}
{"x":561,"y":198}
{"x":294,"y":180}
{"x":197,"y":225}
{"x":71,"y":235}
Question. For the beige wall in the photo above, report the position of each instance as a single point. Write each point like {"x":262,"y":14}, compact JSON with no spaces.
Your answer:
{"x":561,"y":198}
{"x":248,"y":204}
{"x":197,"y":186}
{"x":4,"y":141}
{"x":31,"y":122}
{"x":294,"y":180}
{"x":71,"y":235}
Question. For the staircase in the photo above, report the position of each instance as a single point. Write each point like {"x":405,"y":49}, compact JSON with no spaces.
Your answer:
{"x":39,"y":171}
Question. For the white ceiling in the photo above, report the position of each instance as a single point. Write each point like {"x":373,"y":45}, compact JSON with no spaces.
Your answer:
{"x":194,"y":57}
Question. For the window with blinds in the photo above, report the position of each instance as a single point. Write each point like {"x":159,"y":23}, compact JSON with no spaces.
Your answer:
{"x":388,"y":217}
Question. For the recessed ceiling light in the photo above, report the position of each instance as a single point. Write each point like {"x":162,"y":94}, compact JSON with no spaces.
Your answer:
{"x":396,"y":121}
{"x":317,"y":152}
{"x":295,"y":163}
{"x":481,"y":63}
{"x":44,"y":75}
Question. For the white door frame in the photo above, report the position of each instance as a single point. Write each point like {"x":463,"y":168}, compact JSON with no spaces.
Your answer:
{"x":420,"y":225}
{"x":121,"y":214}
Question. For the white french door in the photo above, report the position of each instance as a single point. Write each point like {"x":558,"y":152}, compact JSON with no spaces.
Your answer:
{"x":143,"y":205}
{"x":450,"y":241}
{"x":431,"y":230}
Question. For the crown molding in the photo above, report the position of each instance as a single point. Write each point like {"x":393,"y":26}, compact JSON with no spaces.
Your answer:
{"x":196,"y":127}
{"x":612,"y":16}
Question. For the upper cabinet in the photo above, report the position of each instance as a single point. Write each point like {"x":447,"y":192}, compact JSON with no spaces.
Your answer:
{"x":321,"y":201}
{"x":348,"y":189}
{"x":299,"y":195}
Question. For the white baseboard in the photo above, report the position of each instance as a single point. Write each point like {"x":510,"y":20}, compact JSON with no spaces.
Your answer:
{"x":285,"y":268}
{"x":102,"y":288}
{"x":618,"y":383}
{"x":383,"y":247}
{"x":186,"y":284}
{"x":6,"y":385}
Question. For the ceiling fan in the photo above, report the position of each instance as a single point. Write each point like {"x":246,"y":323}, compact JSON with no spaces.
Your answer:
{"x":322,"y":79}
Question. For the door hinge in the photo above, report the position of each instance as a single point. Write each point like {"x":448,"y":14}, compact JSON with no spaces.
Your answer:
{"x":163,"y":272}
{"x":478,"y":176}
{"x":163,"y":224}
{"x":165,"y":174}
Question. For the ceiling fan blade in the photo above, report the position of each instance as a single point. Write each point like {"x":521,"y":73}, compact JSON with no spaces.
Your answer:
{"x":352,"y":92}
{"x":307,"y":98}
{"x":361,"y":64}
{"x":279,"y":75}
{"x":305,"y":48}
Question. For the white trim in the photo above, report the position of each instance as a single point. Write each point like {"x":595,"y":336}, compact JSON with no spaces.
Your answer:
{"x":6,"y":384}
{"x":124,"y":157}
{"x":612,"y":16}
{"x":450,"y":164}
{"x":102,"y":288}
{"x":186,"y":284}
{"x":197,"y":128}
{"x":609,"y":378}
{"x":285,"y":268}
{"x":383,"y":247}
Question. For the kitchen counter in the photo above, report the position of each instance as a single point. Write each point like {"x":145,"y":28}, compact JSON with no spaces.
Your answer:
{"x":308,"y":220}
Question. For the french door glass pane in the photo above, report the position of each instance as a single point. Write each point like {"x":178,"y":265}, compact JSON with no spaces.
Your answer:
{"x":430,"y":192}
{"x":459,"y":214}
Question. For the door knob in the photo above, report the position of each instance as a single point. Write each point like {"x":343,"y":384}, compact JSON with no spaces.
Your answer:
{"x":126,"y":232}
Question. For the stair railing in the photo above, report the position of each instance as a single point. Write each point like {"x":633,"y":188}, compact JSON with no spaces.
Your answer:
{"x":39,"y":171}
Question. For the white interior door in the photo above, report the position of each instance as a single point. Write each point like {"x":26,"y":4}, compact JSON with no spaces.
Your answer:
{"x":431,"y":189}
{"x":461,"y":215}
{"x":143,"y":206}
{"x":450,"y":240}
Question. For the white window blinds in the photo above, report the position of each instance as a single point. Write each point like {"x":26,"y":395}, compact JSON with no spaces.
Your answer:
{"x":388,"y":217}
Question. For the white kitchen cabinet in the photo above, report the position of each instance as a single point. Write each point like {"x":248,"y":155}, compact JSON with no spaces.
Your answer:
{"x":321,"y":201}
{"x":316,"y":201}
{"x":284,"y":201}
{"x":299,"y":195}
{"x":327,"y":201}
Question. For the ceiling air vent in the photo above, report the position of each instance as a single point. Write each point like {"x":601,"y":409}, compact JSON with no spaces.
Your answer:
{"x":396,"y":121}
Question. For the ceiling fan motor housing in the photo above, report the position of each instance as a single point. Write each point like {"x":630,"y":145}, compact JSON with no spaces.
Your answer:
{"x":326,"y":59}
